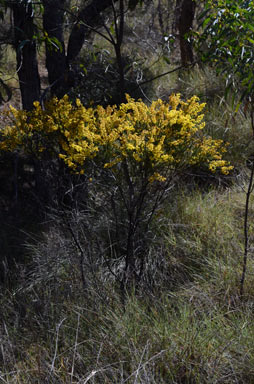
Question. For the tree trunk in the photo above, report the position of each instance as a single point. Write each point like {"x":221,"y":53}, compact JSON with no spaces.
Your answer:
{"x":58,"y":64}
{"x":25,"y":45}
{"x":53,"y":19}
{"x":88,"y":18}
{"x":185,"y":12}
{"x":119,"y":29}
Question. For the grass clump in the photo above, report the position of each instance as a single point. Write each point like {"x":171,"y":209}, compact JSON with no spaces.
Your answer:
{"x":170,"y":341}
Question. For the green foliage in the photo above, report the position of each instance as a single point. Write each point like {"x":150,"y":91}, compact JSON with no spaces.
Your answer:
{"x":227,"y":41}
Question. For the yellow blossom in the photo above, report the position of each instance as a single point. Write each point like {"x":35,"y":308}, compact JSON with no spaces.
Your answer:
{"x":157,"y":137}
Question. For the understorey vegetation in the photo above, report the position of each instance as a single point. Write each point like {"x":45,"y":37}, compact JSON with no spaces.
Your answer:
{"x":126,"y":193}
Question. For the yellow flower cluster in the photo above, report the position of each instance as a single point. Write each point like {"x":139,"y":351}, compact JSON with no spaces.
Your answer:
{"x":159,"y":136}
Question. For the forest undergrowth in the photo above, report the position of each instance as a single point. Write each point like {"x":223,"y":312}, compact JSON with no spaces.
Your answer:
{"x":185,"y":323}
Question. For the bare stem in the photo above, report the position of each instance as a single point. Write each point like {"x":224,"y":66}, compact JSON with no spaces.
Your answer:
{"x":246,"y":225}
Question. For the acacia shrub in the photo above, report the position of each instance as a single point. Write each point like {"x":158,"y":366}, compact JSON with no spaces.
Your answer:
{"x":130,"y":155}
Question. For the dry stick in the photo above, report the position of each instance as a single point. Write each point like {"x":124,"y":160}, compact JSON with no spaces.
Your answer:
{"x":92,"y":374}
{"x":75,"y":348}
{"x":56,"y":345}
{"x":79,"y":247}
{"x":167,"y":73}
{"x":140,"y":363}
{"x":141,"y":367}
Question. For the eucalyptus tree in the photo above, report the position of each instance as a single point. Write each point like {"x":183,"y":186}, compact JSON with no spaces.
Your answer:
{"x":64,"y":28}
{"x":36,"y":22}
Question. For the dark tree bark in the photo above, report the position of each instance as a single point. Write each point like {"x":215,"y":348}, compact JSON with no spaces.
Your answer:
{"x":185,"y":12}
{"x":119,"y":29}
{"x":25,"y":46}
{"x":88,"y":18}
{"x":53,"y":21}
{"x":57,"y":62}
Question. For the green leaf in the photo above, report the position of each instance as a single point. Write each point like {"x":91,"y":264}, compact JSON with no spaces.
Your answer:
{"x":207,"y":21}
{"x":112,"y":29}
{"x":249,"y":26}
{"x":250,"y":40}
{"x":166,"y":59}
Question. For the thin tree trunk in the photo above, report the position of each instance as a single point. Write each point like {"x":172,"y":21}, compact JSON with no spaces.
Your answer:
{"x":246,"y":214}
{"x":246,"y":231}
{"x":185,"y":12}
{"x":117,"y":47}
{"x":25,"y":45}
{"x":88,"y":18}
{"x":53,"y":20}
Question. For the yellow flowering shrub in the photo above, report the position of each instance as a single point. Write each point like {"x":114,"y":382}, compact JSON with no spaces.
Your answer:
{"x":159,"y":137}
{"x":130,"y":155}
